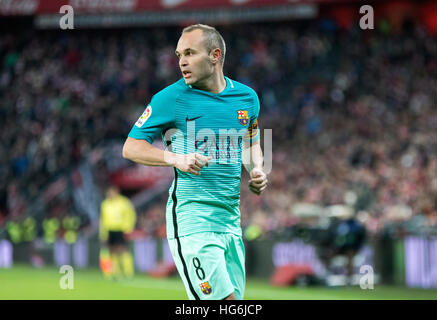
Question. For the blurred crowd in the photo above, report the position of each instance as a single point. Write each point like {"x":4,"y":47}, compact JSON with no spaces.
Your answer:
{"x":361,"y":130}
{"x":352,"y":114}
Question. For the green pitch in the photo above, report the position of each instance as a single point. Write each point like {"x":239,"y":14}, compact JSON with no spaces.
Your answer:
{"x":24,"y":282}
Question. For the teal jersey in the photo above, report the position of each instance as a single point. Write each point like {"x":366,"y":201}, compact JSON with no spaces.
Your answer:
{"x":192,"y":120}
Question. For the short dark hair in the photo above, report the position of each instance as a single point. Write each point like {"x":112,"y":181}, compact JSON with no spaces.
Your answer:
{"x":211,"y":37}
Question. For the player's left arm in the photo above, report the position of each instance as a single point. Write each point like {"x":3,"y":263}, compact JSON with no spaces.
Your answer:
{"x":130,"y":216}
{"x":252,"y":157}
{"x":103,"y":232}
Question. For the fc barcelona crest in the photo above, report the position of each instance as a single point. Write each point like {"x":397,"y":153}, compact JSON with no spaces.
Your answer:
{"x":243,"y":117}
{"x":206,"y":288}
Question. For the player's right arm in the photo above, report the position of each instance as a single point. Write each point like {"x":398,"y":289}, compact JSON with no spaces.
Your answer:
{"x":141,"y":151}
{"x":158,"y":117}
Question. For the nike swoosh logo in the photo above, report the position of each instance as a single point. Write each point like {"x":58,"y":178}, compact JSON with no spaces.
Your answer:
{"x":188,"y":119}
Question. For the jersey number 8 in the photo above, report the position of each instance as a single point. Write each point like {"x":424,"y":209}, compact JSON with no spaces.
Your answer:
{"x":199,"y":271}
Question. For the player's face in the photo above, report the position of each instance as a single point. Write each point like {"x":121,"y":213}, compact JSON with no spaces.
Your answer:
{"x":194,"y":60}
{"x":112,"y":193}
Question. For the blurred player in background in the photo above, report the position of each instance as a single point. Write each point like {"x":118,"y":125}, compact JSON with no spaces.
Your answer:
{"x":209,"y":123}
{"x":117,"y":218}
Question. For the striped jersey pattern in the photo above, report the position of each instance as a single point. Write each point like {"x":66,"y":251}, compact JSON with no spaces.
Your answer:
{"x":192,"y":120}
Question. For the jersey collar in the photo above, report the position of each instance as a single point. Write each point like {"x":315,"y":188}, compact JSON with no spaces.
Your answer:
{"x":229,"y":85}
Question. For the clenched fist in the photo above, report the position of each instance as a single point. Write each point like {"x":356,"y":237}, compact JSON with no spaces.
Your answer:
{"x":192,"y":162}
{"x":258,"y":181}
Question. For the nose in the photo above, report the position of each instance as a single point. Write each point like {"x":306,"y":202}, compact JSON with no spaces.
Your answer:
{"x":183,"y":62}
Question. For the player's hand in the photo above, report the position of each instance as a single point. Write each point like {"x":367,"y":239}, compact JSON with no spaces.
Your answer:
{"x":258,"y":181}
{"x":192,"y":163}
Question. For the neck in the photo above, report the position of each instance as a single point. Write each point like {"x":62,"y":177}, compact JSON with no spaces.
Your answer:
{"x":215,"y":84}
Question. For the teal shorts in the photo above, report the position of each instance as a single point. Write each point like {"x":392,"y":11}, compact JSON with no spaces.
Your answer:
{"x":211,"y":264}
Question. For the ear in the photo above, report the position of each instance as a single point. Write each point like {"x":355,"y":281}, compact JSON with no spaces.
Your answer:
{"x":215,"y":55}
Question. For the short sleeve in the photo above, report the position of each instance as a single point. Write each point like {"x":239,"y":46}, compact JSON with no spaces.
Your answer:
{"x":156,"y":118}
{"x":253,"y":134}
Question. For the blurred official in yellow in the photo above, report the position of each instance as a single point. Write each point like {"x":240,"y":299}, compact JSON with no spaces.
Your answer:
{"x":117,"y":218}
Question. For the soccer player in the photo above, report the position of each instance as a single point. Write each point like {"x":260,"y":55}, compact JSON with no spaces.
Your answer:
{"x":117,"y":218}
{"x":209,"y":125}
